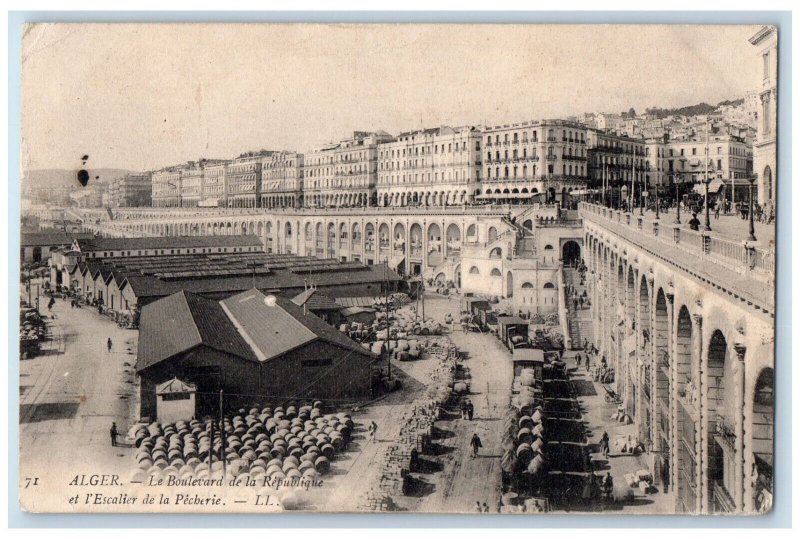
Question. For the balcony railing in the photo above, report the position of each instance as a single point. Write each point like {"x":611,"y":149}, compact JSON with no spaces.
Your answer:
{"x":754,"y":262}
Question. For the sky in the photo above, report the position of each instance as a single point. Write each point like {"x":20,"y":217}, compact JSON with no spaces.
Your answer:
{"x":145,"y":96}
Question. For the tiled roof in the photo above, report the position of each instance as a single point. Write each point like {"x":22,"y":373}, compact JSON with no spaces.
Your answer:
{"x":315,"y":301}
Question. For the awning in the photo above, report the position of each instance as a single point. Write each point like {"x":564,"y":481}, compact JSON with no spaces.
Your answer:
{"x":713,"y":186}
{"x":505,"y":196}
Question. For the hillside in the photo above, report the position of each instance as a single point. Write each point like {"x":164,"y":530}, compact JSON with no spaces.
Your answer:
{"x":50,"y":178}
{"x":692,"y":110}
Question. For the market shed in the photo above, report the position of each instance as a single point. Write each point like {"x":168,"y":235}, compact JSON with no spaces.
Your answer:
{"x":253,"y":347}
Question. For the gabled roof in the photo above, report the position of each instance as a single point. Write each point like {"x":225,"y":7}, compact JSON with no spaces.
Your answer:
{"x":315,"y":301}
{"x":182,"y":321}
{"x":175,"y":386}
{"x":248,"y":325}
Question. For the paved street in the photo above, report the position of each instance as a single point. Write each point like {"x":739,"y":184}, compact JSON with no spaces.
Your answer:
{"x":70,"y":394}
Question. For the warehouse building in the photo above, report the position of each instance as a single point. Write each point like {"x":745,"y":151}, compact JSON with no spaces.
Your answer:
{"x":256,"y":348}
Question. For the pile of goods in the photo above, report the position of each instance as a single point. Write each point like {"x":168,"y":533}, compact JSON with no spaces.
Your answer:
{"x":527,"y":391}
{"x":524,"y":446}
{"x":415,"y":432}
{"x":400,"y":349}
{"x":32,"y":331}
{"x":278,"y":443}
{"x":404,"y":323}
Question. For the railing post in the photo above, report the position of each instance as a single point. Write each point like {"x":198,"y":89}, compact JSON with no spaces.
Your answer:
{"x":655,"y":228}
{"x":639,"y":222}
{"x":676,"y":234}
{"x":706,"y":243}
{"x":749,"y":257}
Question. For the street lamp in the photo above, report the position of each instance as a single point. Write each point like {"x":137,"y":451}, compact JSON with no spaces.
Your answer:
{"x":707,"y":226}
{"x":657,"y":203}
{"x":752,"y":236}
{"x":677,"y":200}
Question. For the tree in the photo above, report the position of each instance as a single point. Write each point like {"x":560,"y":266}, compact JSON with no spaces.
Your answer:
{"x":631,"y":113}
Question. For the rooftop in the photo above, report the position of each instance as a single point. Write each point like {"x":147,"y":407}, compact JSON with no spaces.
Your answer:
{"x":249,"y":325}
{"x":167,"y":242}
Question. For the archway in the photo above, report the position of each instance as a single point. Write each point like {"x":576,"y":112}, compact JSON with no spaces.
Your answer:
{"x":763,"y":432}
{"x":721,"y":459}
{"x":686,"y":465}
{"x":645,"y":370}
{"x":663,"y":384}
{"x":453,"y":240}
{"x":492,"y":234}
{"x":509,"y":285}
{"x":570,"y":253}
{"x":767,"y":184}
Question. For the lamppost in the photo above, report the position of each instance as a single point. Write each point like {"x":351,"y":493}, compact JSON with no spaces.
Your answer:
{"x":707,"y":226}
{"x":752,"y":236}
{"x":677,"y":200}
{"x":657,"y":203}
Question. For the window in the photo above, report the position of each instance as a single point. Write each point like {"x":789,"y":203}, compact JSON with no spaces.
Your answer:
{"x":474,"y":271}
{"x":765,"y":60}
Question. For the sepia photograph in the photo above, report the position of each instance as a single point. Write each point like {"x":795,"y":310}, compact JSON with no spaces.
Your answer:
{"x":512,"y":269}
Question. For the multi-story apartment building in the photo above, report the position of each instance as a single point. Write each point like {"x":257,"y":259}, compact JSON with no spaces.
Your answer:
{"x":282,"y":180}
{"x":318,"y":175}
{"x":657,"y":165}
{"x":616,"y":161}
{"x":728,"y":157}
{"x":344,"y":174}
{"x":191,"y":184}
{"x":131,"y":190}
{"x":243,"y":180}
{"x":526,"y":159}
{"x":430,"y":167}
{"x":167,"y":187}
{"x":765,"y":156}
{"x":214,"y":192}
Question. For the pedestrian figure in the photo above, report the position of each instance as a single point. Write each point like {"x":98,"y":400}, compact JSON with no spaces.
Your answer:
{"x":577,"y":360}
{"x":114,"y":433}
{"x":475,"y":442}
{"x":608,"y":485}
{"x":109,"y":344}
{"x":604,"y":444}
{"x":716,"y":212}
{"x":478,"y":507}
{"x":587,"y":364}
{"x":373,"y":428}
{"x":470,"y":409}
{"x":485,"y":507}
{"x":665,"y":476}
{"x":463,"y":409}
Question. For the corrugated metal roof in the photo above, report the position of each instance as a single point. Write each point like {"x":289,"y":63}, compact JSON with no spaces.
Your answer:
{"x":168,"y":242}
{"x":269,"y":329}
{"x":182,"y":321}
{"x":44,"y":239}
{"x":359,"y":301}
{"x":166,"y":328}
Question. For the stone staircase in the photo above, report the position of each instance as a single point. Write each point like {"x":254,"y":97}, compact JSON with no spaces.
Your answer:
{"x":579,"y":322}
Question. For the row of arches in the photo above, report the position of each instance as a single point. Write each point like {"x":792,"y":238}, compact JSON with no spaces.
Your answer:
{"x":695,"y":385}
{"x":424,"y":198}
{"x":430,"y":243}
